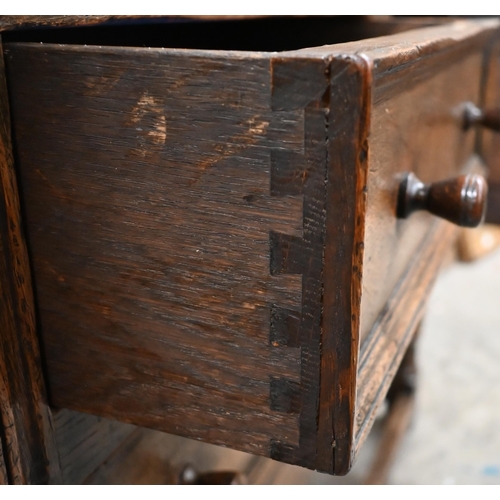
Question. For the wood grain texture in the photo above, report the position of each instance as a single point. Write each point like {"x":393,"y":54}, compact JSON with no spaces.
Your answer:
{"x":173,"y":290}
{"x":28,"y":451}
{"x":302,"y":85}
{"x":416,"y":130}
{"x":408,"y":48}
{"x":349,"y":122}
{"x":414,"y":127}
{"x":197,"y":222}
{"x":392,"y":331}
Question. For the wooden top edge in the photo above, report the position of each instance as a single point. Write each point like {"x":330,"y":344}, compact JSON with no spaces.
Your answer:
{"x":390,"y":50}
{"x":409,"y":44}
{"x":23,"y":22}
{"x":19,"y":22}
{"x":158,"y":51}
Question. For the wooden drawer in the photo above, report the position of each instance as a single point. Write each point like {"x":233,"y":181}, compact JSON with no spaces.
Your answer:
{"x":213,"y":233}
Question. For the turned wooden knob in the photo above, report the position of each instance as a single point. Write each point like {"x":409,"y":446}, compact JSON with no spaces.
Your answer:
{"x":461,"y":200}
{"x":489,"y":118}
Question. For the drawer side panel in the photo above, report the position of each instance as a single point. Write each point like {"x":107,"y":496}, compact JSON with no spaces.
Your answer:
{"x":158,"y":195}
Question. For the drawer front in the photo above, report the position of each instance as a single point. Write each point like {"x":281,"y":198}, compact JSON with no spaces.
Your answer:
{"x":416,"y":127}
{"x":197,"y":221}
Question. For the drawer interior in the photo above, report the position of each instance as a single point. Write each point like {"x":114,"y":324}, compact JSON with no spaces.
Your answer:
{"x":269,"y":34}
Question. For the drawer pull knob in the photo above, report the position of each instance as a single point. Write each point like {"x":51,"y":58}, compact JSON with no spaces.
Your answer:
{"x":461,"y":200}
{"x":488,"y":118}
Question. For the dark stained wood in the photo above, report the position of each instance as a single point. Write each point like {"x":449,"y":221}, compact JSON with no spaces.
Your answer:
{"x":214,"y":240}
{"x":461,"y":200}
{"x":413,"y":129}
{"x":306,"y":91}
{"x":413,"y":125}
{"x":27,"y":450}
{"x":190,"y":282}
{"x":350,"y":102}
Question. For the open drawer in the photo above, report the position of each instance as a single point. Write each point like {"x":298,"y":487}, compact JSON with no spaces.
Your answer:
{"x":213,"y":233}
